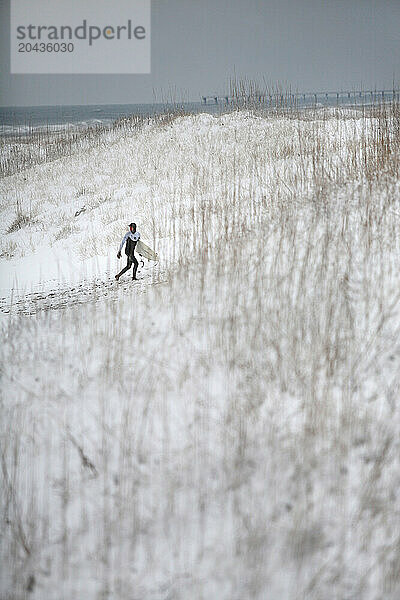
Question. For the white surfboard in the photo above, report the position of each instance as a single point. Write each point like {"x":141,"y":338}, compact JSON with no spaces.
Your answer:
{"x":145,"y":251}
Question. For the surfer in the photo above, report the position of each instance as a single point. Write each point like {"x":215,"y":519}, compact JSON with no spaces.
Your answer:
{"x":131,"y":238}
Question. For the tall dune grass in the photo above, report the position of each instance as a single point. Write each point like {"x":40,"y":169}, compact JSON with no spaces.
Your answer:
{"x":234,"y":433}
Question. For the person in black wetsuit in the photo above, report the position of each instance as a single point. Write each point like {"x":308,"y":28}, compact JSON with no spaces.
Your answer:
{"x":131,"y":238}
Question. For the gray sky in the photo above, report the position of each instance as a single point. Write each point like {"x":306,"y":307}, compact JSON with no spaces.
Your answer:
{"x":196,"y":45}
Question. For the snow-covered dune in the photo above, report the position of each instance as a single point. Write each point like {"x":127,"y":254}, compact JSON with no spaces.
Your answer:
{"x":228,"y":428}
{"x":63,"y":220}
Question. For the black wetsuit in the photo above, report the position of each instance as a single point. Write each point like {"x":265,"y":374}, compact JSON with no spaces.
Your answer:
{"x":131,"y":258}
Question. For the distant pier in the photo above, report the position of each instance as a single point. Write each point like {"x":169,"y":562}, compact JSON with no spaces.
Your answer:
{"x":307,"y":97}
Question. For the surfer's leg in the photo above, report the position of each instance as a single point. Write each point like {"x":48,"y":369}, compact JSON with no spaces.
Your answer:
{"x":125,"y":269}
{"x":135,"y":266}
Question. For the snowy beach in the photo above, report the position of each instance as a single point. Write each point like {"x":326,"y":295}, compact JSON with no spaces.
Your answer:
{"x":228,"y":426}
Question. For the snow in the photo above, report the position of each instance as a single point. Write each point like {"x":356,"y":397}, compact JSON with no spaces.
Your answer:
{"x":227,"y":427}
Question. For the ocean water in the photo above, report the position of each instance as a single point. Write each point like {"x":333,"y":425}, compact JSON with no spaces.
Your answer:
{"x":26,"y":118}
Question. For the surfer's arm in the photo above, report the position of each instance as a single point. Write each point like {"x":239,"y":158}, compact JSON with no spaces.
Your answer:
{"x":123,"y":242}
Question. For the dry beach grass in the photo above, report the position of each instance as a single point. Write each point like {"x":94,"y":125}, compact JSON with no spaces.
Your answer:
{"x":232,"y":433}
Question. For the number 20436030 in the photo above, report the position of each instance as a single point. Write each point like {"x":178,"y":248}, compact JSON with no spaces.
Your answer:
{"x":42,"y":47}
